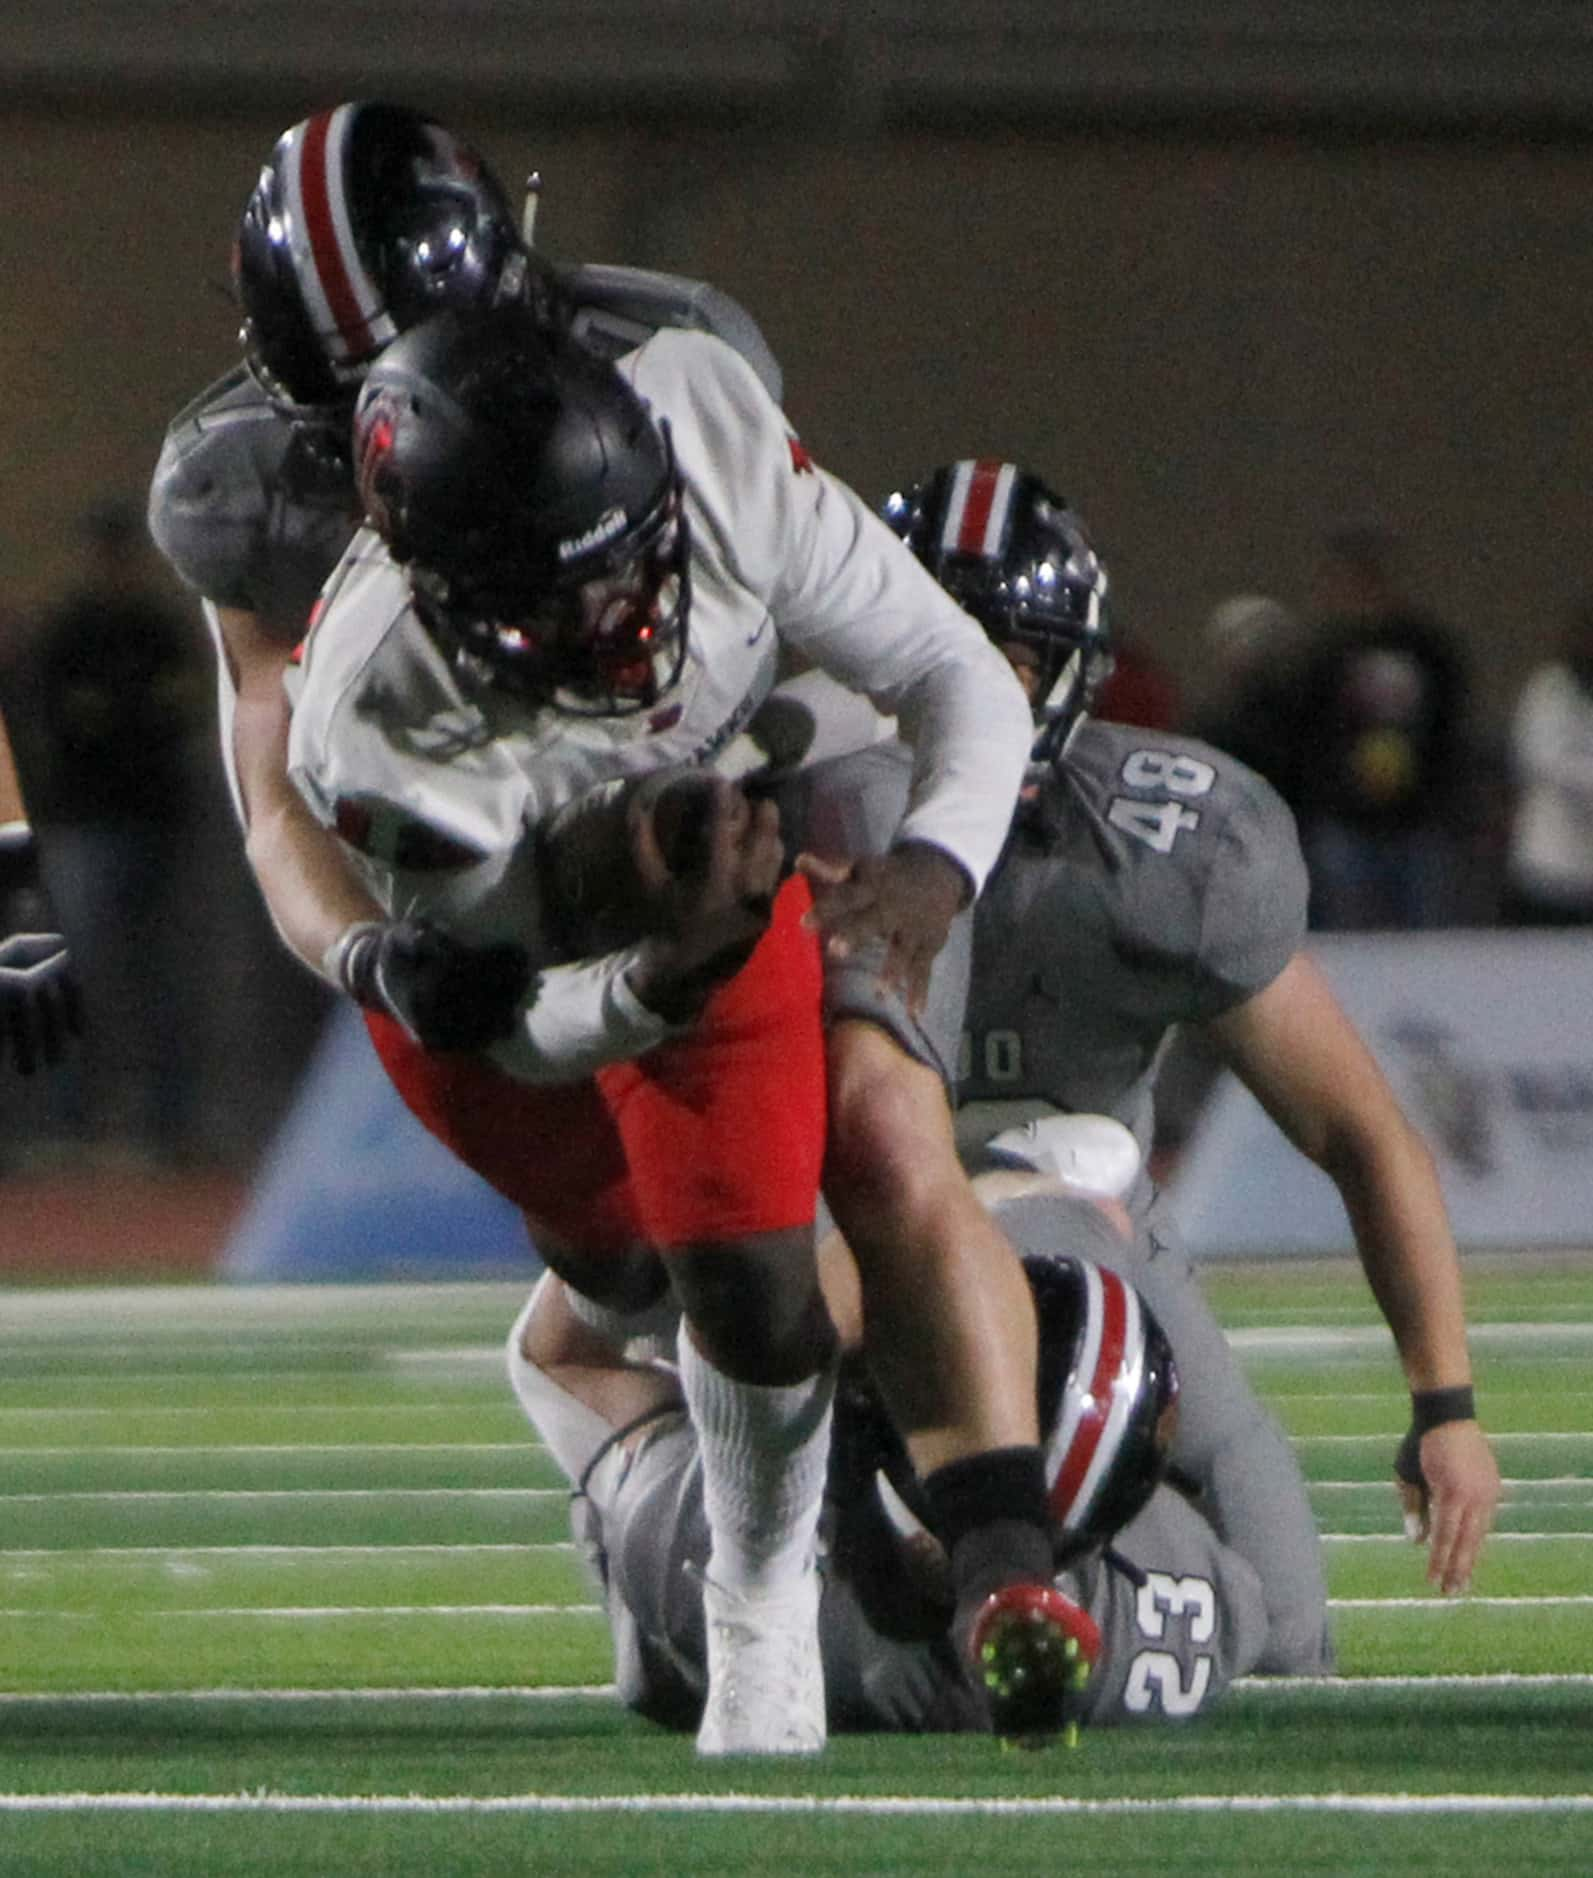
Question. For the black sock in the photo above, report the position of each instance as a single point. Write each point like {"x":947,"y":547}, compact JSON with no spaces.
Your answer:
{"x":990,"y":1512}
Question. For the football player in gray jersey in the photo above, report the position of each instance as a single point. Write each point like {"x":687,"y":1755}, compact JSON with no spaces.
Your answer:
{"x":1180,"y":1613}
{"x":1152,"y":881}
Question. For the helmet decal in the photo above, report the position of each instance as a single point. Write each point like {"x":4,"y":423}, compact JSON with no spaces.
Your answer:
{"x":343,"y":300}
{"x":978,"y":503}
{"x":1083,"y":1446}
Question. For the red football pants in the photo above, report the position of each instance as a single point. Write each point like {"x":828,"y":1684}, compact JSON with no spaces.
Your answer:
{"x":709,"y":1137}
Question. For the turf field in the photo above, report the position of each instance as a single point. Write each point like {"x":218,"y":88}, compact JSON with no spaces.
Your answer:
{"x":284,"y":1588}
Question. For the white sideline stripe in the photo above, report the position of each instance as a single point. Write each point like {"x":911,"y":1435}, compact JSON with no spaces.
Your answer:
{"x":903,"y":1805}
{"x":292,"y":1493}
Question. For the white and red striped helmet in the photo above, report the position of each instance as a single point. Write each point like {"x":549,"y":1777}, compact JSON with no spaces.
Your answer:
{"x":367,"y":218}
{"x":1013,"y":554}
{"x":1108,"y":1392}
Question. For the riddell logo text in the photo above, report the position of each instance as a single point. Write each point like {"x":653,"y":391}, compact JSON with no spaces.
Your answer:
{"x":605,"y":528}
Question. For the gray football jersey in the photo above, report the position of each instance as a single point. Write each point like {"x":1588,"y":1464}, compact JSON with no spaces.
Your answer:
{"x":1204,"y":1614}
{"x":1149,"y":881}
{"x":1171,"y":1644}
{"x":253,"y":519}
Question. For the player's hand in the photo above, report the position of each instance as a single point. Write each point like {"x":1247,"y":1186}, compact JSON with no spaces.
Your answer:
{"x":908,"y":898}
{"x":40,"y":1005}
{"x":708,"y":862}
{"x":1448,"y":1487}
{"x":446,"y":994}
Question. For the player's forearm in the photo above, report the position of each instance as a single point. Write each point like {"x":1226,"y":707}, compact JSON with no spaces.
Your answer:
{"x":311,"y":892}
{"x":969,"y":731}
{"x":1396,"y":1210}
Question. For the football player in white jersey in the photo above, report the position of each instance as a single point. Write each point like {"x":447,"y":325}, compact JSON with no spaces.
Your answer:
{"x":577,"y":575}
{"x":365,"y":216}
{"x":1153,"y":881}
{"x":1180,"y":1613}
{"x":40,"y":1007}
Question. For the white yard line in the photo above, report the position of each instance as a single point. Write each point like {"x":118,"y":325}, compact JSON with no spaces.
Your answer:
{"x":1447,"y":1606}
{"x":1494,"y":1538}
{"x":1483,"y":1679}
{"x":280,"y":1551}
{"x":898,"y":1806}
{"x":1513,"y":1483}
{"x":470,"y":1692}
{"x":1347,"y":1687}
{"x":528,"y":1446}
{"x":120,"y":1494}
{"x":1432,"y":1605}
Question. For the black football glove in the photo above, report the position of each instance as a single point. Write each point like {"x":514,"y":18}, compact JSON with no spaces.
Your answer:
{"x":40,"y":1004}
{"x":446,"y":994}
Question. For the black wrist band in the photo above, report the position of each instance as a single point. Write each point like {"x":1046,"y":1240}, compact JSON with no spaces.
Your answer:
{"x":1431,"y":1408}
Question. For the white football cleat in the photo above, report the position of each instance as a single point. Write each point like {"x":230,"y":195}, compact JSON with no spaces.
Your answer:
{"x":1090,"y":1154}
{"x":765,"y":1676}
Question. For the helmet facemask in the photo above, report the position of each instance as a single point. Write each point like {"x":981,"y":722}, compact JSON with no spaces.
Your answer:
{"x":611,"y":643}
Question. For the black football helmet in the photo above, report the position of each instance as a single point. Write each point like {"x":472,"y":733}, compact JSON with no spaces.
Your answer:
{"x":536,"y":505}
{"x":1108,"y":1393}
{"x":367,"y":218}
{"x":1014,"y":555}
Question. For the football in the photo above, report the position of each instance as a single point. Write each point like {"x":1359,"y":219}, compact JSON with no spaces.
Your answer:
{"x":594,"y":900}
{"x":682,"y":813}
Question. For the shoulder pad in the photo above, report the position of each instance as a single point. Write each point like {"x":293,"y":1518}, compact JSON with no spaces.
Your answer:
{"x":618,"y":308}
{"x":1210,"y":864}
{"x":240,"y":512}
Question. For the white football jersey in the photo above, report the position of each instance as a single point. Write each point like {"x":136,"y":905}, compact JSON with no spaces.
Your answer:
{"x":436,"y":780}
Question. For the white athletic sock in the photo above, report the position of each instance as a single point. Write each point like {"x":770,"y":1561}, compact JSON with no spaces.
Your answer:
{"x":765,"y":1451}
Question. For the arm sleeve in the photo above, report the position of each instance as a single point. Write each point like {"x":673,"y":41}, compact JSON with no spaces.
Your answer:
{"x":578,"y":1018}
{"x":847,"y":595}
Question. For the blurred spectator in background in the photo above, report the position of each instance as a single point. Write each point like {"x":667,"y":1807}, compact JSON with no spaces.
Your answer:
{"x":1384,"y":789}
{"x":116,"y":688}
{"x":1249,"y":682}
{"x":1549,"y":866}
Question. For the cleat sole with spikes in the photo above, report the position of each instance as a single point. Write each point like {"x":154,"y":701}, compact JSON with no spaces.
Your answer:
{"x":1033,"y":1651}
